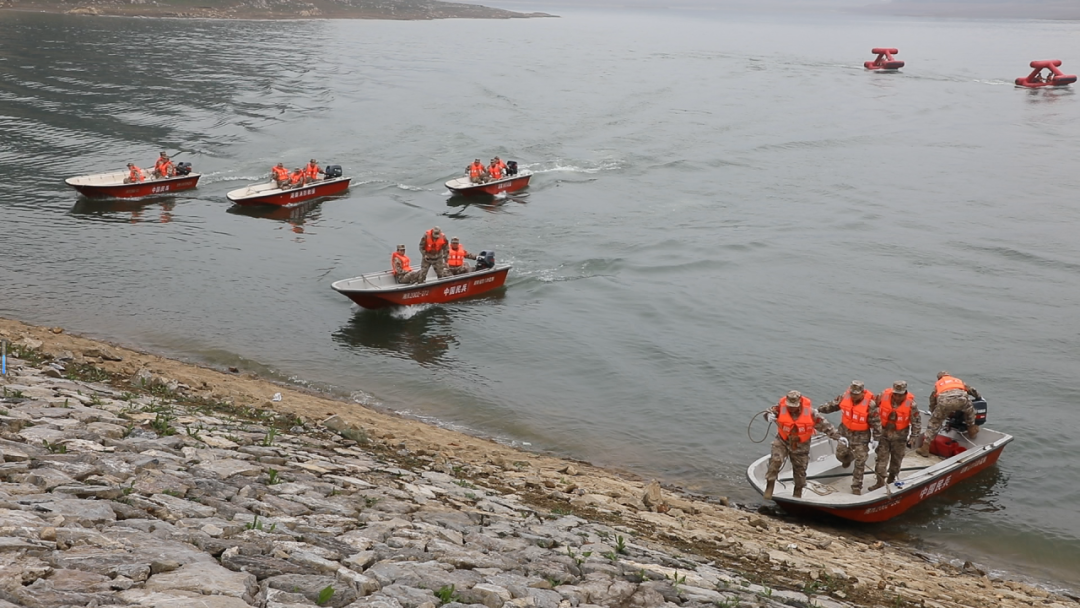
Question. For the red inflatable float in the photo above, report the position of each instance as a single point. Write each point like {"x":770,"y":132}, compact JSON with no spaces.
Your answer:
{"x":1053,"y":78}
{"x":885,"y":60}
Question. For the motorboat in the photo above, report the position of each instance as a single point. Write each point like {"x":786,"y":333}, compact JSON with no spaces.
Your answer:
{"x":270,"y":194}
{"x":828,"y":484}
{"x":513,"y":182}
{"x":103,"y":185}
{"x":381,"y":289}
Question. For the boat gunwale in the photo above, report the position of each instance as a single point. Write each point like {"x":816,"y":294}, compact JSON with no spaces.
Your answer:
{"x":412,"y":286}
{"x":121,"y":184}
{"x":470,"y":185}
{"x":277,"y":191}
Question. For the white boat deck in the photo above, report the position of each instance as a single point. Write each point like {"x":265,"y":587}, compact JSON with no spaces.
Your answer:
{"x":830,"y":484}
{"x":115,"y":178}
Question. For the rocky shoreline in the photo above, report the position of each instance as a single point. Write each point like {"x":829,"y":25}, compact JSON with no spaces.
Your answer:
{"x":272,"y":9}
{"x":132,"y":480}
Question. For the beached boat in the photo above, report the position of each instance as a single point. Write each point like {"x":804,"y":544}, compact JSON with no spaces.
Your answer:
{"x":828,"y":486}
{"x":112,"y":184}
{"x":512,"y":183}
{"x":269,"y":194}
{"x":380,"y":289}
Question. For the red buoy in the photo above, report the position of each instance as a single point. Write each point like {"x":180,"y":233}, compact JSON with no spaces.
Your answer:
{"x":1053,"y":78}
{"x":885,"y":60}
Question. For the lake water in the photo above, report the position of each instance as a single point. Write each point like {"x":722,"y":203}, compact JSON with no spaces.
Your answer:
{"x":725,"y":208}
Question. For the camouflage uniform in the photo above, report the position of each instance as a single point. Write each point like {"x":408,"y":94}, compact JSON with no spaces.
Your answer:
{"x":464,"y":268}
{"x":436,"y":258}
{"x":943,"y":406}
{"x":404,"y":278}
{"x":797,"y":451}
{"x":893,"y":444}
{"x":858,"y":449}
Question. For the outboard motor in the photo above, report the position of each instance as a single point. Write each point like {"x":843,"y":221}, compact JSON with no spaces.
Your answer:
{"x":332,"y":171}
{"x":957,"y":420}
{"x":183,"y":168}
{"x":485,"y":259}
{"x":511,"y":167}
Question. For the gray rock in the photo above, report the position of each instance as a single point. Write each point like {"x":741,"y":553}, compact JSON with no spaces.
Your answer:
{"x":80,"y":512}
{"x":310,"y":586}
{"x":409,"y":597}
{"x":492,"y":596}
{"x":382,"y":601}
{"x":207,"y":579}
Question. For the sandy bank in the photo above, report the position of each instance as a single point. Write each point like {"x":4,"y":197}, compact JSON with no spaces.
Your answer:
{"x":354,"y":471}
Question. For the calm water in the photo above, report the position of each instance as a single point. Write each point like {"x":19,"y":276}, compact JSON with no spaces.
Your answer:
{"x":725,"y":208}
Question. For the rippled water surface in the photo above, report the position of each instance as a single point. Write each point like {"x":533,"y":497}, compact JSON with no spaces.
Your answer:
{"x":725,"y":207}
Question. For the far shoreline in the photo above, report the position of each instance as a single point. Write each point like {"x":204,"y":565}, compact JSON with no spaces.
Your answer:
{"x":310,"y":12}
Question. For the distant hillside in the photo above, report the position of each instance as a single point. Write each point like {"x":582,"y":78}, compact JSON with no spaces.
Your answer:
{"x":271,"y":9}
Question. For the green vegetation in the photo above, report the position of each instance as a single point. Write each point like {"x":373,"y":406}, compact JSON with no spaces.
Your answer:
{"x":446,"y":594}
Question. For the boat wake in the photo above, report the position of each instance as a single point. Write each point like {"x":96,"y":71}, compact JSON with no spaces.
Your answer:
{"x":560,"y":166}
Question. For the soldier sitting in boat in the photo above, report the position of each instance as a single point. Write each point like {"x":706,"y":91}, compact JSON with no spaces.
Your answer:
{"x":495,"y":170}
{"x":163,"y":167}
{"x":403,"y":272}
{"x":135,"y":174}
{"x":477,"y":173}
{"x":456,"y":256}
{"x":296,"y":179}
{"x":280,"y":175}
{"x":312,"y":172}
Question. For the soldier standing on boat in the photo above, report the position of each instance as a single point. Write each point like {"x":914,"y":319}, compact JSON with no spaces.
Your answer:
{"x":900,"y":424}
{"x":403,"y":272}
{"x":433,"y":248}
{"x":950,"y":395}
{"x":856,"y":429}
{"x":796,"y":422}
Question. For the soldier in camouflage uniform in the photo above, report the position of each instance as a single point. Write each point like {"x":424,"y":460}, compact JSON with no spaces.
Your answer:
{"x":856,"y":429}
{"x":950,"y":395}
{"x":900,"y":422}
{"x":434,"y":249}
{"x":796,"y":422}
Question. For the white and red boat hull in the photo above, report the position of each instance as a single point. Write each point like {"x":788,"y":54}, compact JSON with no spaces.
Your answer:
{"x":111,"y":185}
{"x":270,"y":194}
{"x":380,"y":289}
{"x":464,"y":187}
{"x":828,"y":488}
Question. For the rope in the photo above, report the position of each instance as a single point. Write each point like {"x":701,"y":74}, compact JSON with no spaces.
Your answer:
{"x":766,"y":436}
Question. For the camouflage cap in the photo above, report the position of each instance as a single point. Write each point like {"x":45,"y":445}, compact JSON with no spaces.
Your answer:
{"x":942,"y":374}
{"x":900,"y":386}
{"x":436,"y":230}
{"x":401,"y":247}
{"x":858,"y":386}
{"x":794,"y":396}
{"x":454,"y":240}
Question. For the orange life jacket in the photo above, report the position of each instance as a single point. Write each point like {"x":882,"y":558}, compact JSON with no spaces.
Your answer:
{"x":456,"y":257}
{"x":948,"y":383}
{"x":803,"y":426}
{"x":137,"y":175}
{"x":405,"y":267}
{"x":311,"y":171}
{"x":855,"y":416}
{"x":476,"y":170}
{"x":162,"y":166}
{"x":495,"y":171}
{"x":297,"y":177}
{"x":502,"y":166}
{"x":432,"y":245}
{"x":279,"y":173}
{"x":903,"y":411}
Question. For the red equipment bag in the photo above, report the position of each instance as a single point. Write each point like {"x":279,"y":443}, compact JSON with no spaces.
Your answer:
{"x":945,"y":447}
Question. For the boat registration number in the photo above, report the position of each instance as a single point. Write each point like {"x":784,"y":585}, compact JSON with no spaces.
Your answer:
{"x":482,"y":281}
{"x":456,"y":289}
{"x":299,"y":193}
{"x":415,"y":294}
{"x":157,"y":189}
